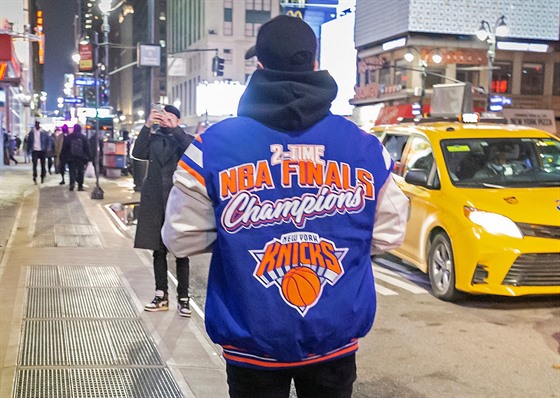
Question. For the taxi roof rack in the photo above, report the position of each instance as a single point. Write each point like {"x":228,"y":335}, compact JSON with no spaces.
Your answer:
{"x":433,"y":119}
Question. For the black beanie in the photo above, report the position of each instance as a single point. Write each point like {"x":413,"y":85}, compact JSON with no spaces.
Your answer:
{"x":173,"y":110}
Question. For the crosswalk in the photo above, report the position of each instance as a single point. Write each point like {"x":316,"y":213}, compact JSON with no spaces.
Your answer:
{"x":393,"y":279}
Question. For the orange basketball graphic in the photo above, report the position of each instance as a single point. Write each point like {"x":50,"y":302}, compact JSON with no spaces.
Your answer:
{"x":301,"y":286}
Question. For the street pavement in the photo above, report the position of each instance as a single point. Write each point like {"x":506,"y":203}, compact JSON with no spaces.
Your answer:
{"x":73,"y":323}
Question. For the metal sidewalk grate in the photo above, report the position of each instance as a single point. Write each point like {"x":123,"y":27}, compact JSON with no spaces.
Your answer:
{"x":96,"y":383}
{"x":79,"y":303}
{"x":87,"y":342}
{"x":72,"y":276}
{"x":81,"y":337}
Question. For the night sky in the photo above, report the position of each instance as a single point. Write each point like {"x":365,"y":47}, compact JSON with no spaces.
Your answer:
{"x":59,"y":45}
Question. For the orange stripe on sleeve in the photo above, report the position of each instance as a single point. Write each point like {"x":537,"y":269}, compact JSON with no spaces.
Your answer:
{"x":192,"y":172}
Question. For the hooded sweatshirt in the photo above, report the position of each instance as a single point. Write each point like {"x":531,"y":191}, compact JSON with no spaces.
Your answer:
{"x":291,"y":201}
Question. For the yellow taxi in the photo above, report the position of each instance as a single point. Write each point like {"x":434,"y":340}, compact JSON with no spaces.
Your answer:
{"x":484,"y":214}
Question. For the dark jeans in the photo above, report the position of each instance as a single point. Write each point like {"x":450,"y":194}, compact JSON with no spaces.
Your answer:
{"x":38,"y":155}
{"x":332,"y":379}
{"x":160,"y":273}
{"x":76,"y":171}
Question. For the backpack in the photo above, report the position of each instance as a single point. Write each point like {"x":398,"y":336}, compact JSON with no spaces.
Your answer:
{"x":77,"y":148}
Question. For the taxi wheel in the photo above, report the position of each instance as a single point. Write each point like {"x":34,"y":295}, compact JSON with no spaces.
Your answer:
{"x":441,"y":268}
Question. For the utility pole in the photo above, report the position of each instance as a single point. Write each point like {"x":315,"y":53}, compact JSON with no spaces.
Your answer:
{"x":97,"y":192}
{"x":151,"y":39}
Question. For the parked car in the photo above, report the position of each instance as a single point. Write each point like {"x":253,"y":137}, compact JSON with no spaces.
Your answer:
{"x":484,"y":214}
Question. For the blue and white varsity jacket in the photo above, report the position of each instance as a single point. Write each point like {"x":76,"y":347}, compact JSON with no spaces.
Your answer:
{"x":291,"y":219}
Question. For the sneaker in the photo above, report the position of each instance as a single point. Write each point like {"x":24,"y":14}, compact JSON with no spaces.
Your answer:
{"x":183,"y":307}
{"x":159,"y":303}
{"x":61,"y":183}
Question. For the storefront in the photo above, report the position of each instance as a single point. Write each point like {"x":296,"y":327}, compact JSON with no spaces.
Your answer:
{"x":12,"y":99}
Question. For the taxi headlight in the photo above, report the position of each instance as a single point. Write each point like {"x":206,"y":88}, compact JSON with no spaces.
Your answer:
{"x":493,"y":223}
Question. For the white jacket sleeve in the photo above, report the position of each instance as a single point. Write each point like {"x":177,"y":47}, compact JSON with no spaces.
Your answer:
{"x":390,"y":218}
{"x":189,"y":226}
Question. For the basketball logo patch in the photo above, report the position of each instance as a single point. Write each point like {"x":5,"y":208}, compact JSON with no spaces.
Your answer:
{"x":300,"y":265}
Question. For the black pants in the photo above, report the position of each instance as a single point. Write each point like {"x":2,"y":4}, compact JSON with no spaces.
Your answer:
{"x":160,"y":273}
{"x":332,"y":379}
{"x":38,"y":155}
{"x":76,"y":171}
{"x":61,"y":168}
{"x":50,"y":163}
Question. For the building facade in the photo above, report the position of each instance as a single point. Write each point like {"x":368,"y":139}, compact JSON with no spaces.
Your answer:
{"x":526,"y":68}
{"x":201,"y":29}
{"x":21,"y":61}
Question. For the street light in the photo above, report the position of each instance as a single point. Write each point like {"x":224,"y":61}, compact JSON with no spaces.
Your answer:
{"x":486,"y":33}
{"x":423,"y":57}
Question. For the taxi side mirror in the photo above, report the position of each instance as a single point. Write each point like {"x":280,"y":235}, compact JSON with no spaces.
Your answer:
{"x":417,"y":177}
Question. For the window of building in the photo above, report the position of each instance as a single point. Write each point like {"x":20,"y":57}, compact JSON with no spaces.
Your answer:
{"x":251,"y":29}
{"x":228,"y":19}
{"x":228,"y":28}
{"x":259,"y":5}
{"x":257,"y":12}
{"x":385,"y":76}
{"x":400,"y":72}
{"x":434,"y":76}
{"x":464,"y":74}
{"x":501,"y":78}
{"x":228,"y":56}
{"x":532,"y":78}
{"x":556,"y":80}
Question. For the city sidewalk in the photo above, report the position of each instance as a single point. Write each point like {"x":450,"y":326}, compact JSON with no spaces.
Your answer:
{"x":73,"y":324}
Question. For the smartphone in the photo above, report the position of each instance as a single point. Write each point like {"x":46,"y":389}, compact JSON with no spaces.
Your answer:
{"x":158,"y":107}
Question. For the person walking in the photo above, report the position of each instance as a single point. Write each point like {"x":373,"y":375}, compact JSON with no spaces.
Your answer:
{"x":8,"y":148}
{"x":292,"y":201}
{"x":49,"y":154}
{"x":75,"y":153}
{"x":162,"y":147}
{"x":38,"y":144}
{"x":25,"y":149}
{"x":59,"y":165}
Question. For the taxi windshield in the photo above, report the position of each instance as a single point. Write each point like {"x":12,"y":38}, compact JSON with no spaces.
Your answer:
{"x":502,"y":162}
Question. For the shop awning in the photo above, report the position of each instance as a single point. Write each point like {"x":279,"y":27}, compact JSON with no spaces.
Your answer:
{"x":10,"y":69}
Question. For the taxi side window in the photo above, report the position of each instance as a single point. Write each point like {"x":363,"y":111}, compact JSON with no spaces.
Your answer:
{"x":395,"y":144}
{"x":420,"y":156}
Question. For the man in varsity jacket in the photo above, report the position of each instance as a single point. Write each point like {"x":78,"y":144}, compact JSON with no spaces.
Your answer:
{"x":291,"y":201}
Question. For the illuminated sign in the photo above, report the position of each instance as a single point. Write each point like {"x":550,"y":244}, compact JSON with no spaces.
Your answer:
{"x":3,"y":67}
{"x":85,"y":81}
{"x":73,"y":100}
{"x":218,"y":98}
{"x":86,"y":57}
{"x":39,"y":31}
{"x":389,"y":45}
{"x":497,"y":103}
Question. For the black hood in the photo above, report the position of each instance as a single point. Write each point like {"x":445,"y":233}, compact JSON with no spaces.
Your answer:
{"x":288,"y":101}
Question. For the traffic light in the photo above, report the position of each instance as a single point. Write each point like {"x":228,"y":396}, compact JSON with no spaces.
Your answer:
{"x":217,"y":66}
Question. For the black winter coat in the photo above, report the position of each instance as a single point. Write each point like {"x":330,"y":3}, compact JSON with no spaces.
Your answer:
{"x":162,"y":150}
{"x":66,"y":153}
